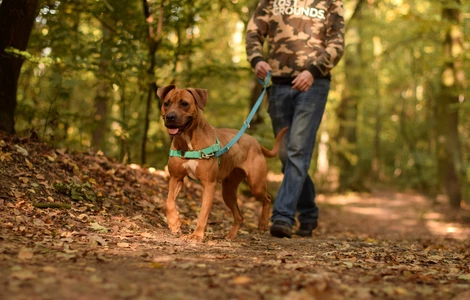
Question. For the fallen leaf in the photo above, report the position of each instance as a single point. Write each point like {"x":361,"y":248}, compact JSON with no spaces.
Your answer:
{"x":240,"y":280}
{"x":66,"y":256}
{"x":28,"y":163}
{"x":464,"y":277}
{"x":23,"y":275}
{"x":100,"y":257}
{"x":90,"y":269}
{"x":81,"y":217}
{"x":97,"y":240}
{"x":5,"y":157}
{"x":123,"y":245}
{"x":97,"y":227}
{"x":38,"y":222}
{"x":400,"y":291}
{"x":21,"y":150}
{"x":25,"y":253}
{"x":49,"y":269}
{"x":156,"y":265}
{"x":18,"y":194}
{"x":146,"y":234}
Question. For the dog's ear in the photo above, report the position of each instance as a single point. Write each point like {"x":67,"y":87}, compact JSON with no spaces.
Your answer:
{"x":161,"y":92}
{"x":201,"y":97}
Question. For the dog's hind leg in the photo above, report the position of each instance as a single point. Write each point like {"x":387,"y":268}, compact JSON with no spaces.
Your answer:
{"x":264,"y":218}
{"x":229,"y":193}
{"x":256,"y":179}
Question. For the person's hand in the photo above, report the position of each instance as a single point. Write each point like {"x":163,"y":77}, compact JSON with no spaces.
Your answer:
{"x":261,"y":69}
{"x":303,"y":81}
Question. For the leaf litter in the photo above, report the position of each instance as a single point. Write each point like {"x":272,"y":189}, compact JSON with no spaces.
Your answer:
{"x":83,"y":226}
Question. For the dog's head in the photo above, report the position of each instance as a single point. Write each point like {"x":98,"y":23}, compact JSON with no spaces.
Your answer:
{"x":180,"y":107}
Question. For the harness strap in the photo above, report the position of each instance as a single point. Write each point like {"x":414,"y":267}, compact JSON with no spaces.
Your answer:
{"x":198,"y":154}
{"x":205,"y":153}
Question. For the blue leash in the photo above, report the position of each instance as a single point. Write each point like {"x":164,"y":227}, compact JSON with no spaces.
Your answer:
{"x":215,"y":150}
{"x":227,"y":147}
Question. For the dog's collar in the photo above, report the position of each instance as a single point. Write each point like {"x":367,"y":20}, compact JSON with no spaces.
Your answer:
{"x":205,"y":153}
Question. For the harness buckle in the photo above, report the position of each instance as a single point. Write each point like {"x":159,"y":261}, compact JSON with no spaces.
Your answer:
{"x":207,"y":156}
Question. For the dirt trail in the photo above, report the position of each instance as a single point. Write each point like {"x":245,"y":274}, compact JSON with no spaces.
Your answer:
{"x":109,"y":240}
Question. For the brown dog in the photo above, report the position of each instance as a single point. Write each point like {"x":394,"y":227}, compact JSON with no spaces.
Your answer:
{"x":182,"y":114}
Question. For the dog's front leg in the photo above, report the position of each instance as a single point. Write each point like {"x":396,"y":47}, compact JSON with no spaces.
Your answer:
{"x":207,"y":199}
{"x":172,"y":215}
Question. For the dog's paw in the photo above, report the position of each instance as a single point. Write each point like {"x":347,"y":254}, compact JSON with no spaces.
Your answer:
{"x":175,"y":230}
{"x":230,"y":236}
{"x":263,"y":226}
{"x":193,"y":238}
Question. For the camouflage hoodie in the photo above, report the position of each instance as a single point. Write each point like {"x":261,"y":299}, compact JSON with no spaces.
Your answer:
{"x":302,"y":35}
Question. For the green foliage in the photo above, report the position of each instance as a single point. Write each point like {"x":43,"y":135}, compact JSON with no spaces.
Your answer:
{"x":78,"y":192}
{"x":77,"y":47}
{"x":57,"y":98}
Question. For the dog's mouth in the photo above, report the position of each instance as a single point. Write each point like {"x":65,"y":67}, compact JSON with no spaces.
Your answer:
{"x":174,"y":130}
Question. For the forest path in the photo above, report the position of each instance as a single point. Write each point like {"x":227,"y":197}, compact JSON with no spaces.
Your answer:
{"x":108,"y":240}
{"x":382,"y":245}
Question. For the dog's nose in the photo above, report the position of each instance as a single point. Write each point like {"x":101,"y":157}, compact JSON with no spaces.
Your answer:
{"x":170,"y":117}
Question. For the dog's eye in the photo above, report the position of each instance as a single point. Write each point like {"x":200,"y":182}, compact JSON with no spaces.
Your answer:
{"x":166,"y":103}
{"x":184,"y":104}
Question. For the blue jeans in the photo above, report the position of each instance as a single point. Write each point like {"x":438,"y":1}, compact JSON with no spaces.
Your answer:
{"x":302,"y":112}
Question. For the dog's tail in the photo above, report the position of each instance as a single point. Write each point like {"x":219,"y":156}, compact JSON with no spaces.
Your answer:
{"x":277,"y":145}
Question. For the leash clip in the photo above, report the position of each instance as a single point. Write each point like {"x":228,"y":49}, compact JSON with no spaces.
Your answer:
{"x":207,"y":156}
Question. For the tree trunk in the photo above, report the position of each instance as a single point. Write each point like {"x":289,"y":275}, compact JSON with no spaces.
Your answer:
{"x":350,"y":175}
{"x":376,"y":150}
{"x":16,"y":23}
{"x":102,"y":92}
{"x":449,"y":154}
{"x":125,"y":151}
{"x":154,"y":41}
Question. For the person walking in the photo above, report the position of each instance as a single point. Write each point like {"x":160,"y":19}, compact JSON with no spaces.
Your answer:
{"x":305,"y":42}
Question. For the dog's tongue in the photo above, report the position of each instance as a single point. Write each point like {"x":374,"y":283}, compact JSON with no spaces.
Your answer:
{"x":173,"y":131}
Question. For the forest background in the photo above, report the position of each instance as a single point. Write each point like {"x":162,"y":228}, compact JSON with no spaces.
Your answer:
{"x":396,"y":110}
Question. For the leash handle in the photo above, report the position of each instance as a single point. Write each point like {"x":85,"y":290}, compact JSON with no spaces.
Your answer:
{"x":265,"y":84}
